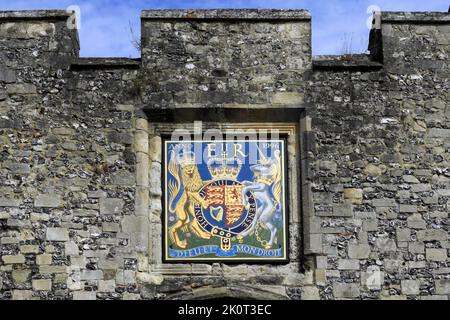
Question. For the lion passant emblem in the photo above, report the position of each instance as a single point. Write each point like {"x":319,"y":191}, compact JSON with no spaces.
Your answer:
{"x":220,"y":203}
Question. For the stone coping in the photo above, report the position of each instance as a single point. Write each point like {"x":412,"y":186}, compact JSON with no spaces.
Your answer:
{"x":346,"y":62}
{"x":227,"y":14}
{"x":415,"y":17}
{"x":35,"y":15}
{"x":105,"y":63}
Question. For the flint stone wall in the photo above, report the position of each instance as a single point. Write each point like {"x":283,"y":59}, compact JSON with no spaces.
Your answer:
{"x":80,"y":189}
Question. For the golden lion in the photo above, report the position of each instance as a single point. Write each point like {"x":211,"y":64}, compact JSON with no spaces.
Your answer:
{"x":184,"y":208}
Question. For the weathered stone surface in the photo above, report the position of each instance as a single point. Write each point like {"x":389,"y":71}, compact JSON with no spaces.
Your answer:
{"x":354,"y":195}
{"x":410,"y":287}
{"x":44,"y":259}
{"x":111,"y":206}
{"x":436,"y":254}
{"x":6,"y":202}
{"x":29,"y":249}
{"x":343,"y":210}
{"x":386,"y":245}
{"x":348,"y":264}
{"x":57,"y":234}
{"x":13,"y":259}
{"x":21,"y":276}
{"x":71,"y":249}
{"x":310,"y":293}
{"x":21,"y":89}
{"x":91,"y":275}
{"x":432,"y":235}
{"x":416,"y":222}
{"x":48,"y":201}
{"x":345,"y":290}
{"x":106,"y":286}
{"x":81,"y":155}
{"x":442,"y":286}
{"x":358,"y":251}
{"x":84,"y":295}
{"x":22,"y":295}
{"x":42,"y":284}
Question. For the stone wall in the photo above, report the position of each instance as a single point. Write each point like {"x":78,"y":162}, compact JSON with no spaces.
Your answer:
{"x":80,"y":153}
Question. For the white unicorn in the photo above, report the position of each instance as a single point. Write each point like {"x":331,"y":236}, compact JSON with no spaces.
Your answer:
{"x":266,"y":186}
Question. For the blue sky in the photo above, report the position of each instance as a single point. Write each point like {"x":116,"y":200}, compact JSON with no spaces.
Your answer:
{"x":339,"y":26}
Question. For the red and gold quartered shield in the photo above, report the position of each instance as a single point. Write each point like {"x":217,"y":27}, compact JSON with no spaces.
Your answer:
{"x":233,"y":204}
{"x":231,"y":198}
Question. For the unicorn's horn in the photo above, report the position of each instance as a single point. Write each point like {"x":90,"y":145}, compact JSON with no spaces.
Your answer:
{"x":263,"y":157}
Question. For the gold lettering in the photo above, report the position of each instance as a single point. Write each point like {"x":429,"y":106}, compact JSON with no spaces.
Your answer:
{"x":238,"y":149}
{"x":211,"y":149}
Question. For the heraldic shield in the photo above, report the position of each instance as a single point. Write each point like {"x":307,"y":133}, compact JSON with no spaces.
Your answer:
{"x":225,"y":200}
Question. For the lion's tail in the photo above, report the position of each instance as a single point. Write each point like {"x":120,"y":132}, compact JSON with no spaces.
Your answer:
{"x":174,"y":186}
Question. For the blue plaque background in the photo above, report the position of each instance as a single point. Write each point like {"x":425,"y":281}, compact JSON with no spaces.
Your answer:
{"x":196,"y":229}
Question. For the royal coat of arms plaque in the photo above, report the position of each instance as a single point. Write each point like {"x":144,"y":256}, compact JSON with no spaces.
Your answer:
{"x":224,"y":201}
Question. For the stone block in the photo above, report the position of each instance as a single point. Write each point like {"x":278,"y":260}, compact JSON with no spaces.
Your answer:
{"x":13,"y":259}
{"x":310,"y":293}
{"x":57,"y":234}
{"x":372,"y":279}
{"x":84,"y":295}
{"x":110,"y":227}
{"x":410,"y":179}
{"x":407,"y":208}
{"x":370,"y":225}
{"x":21,"y":89}
{"x":131,"y":296}
{"x":416,"y":247}
{"x":343,"y":210}
{"x":346,"y":290}
{"x":44,"y":259}
{"x":22,"y":295}
{"x":71,"y":249}
{"x":21,"y":276}
{"x":439,"y":133}
{"x":385,"y":245}
{"x":48,"y":201}
{"x":287,"y":98}
{"x":155,"y":149}
{"x":106,"y":286}
{"x":355,"y":196}
{"x":16,"y":167}
{"x":436,"y":254}
{"x":442,"y":286}
{"x":111,"y":206}
{"x":348,"y":264}
{"x":384,"y":202}
{"x":6,"y":74}
{"x":8,"y":202}
{"x":28,"y":248}
{"x":91,"y":275}
{"x":42,"y":284}
{"x":403,"y":235}
{"x":125,"y":277}
{"x":416,"y":221}
{"x":132,"y":224}
{"x":432,"y":235}
{"x":372,"y":170}
{"x":358,"y":251}
{"x":410,"y":287}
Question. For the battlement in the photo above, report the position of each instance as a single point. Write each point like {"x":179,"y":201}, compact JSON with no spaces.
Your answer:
{"x":42,"y":15}
{"x":228,"y":14}
{"x":38,"y":19}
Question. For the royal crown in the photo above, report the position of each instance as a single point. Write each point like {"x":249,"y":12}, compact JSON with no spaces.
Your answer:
{"x":224,"y":168}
